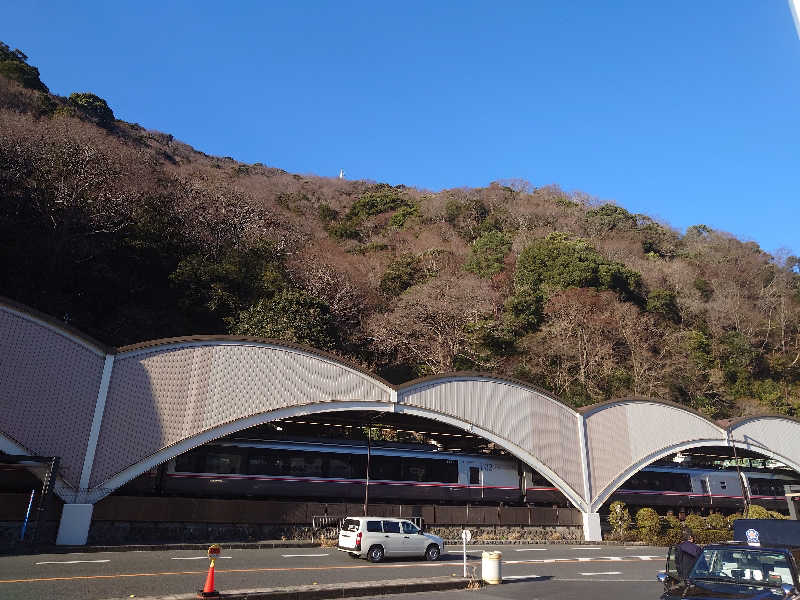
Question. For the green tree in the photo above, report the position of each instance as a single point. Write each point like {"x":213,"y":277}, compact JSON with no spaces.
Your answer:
{"x":488,"y":252}
{"x":291,"y":316}
{"x":401,"y":274}
{"x":559,"y":262}
{"x":609,"y":217}
{"x":14,"y":65}
{"x":94,"y":107}
{"x":664,"y":303}
{"x":216,"y":289}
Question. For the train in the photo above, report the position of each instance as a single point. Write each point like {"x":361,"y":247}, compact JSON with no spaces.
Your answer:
{"x":336,"y":470}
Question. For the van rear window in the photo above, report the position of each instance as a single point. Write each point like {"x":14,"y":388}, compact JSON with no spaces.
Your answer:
{"x":350,"y":525}
{"x":374,"y":526}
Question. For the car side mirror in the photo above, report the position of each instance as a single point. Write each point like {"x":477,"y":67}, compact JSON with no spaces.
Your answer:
{"x":788,"y":590}
{"x":662,"y":577}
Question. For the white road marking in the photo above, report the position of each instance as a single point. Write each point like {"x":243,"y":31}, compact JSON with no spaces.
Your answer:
{"x":587,"y":548}
{"x":648,"y":557}
{"x":521,"y":577}
{"x":194,"y":557}
{"x":531,"y":550}
{"x":301,"y":555}
{"x":71,"y":562}
{"x":605,"y":573}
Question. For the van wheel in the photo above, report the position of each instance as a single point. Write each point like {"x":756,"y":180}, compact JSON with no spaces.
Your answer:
{"x":432,"y":552}
{"x":375,"y":554}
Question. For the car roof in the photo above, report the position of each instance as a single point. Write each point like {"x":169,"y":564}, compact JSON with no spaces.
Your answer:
{"x":380,"y":518}
{"x":737,"y":545}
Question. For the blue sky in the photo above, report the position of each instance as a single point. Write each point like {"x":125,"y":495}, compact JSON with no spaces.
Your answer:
{"x":688,"y":111}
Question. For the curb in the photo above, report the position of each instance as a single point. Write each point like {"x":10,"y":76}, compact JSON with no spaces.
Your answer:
{"x":52,"y":549}
{"x":337,"y":590}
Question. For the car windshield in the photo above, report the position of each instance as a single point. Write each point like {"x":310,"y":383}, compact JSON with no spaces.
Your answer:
{"x":739,"y":565}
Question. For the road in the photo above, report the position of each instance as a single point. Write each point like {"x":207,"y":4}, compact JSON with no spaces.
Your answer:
{"x":552,"y":571}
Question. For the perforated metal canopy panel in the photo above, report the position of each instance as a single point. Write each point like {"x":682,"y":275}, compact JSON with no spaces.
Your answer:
{"x":777,"y":435}
{"x":161,"y":396}
{"x":543,"y":427}
{"x":48,"y":387}
{"x":624,"y":433}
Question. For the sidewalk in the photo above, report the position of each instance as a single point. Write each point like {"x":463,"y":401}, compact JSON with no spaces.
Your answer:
{"x":337,"y":590}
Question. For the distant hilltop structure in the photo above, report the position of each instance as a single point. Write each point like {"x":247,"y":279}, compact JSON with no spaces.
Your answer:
{"x":341,"y":173}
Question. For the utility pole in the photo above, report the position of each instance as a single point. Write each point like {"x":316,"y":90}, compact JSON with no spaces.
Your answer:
{"x":369,"y":454}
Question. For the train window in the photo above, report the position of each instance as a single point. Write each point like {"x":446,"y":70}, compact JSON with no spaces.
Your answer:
{"x":474,"y":476}
{"x":415,"y":469}
{"x":186,"y":463}
{"x":385,"y":468}
{"x":265,"y":464}
{"x":358,"y":466}
{"x":723,"y":485}
{"x":338,"y":465}
{"x":219,"y":462}
{"x":681,"y":483}
{"x":391,"y":527}
{"x":444,"y":471}
{"x":305,"y":464}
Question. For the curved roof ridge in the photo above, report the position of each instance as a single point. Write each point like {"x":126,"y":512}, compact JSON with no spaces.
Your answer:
{"x":53,"y":323}
{"x":482,"y":375}
{"x":210,"y":338}
{"x":590,"y":409}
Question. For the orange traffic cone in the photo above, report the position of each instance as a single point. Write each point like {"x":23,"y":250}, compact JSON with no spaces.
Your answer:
{"x":208,"y":588}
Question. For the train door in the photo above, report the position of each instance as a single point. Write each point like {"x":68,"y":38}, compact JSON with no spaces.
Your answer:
{"x":475,"y":474}
{"x":706,"y":485}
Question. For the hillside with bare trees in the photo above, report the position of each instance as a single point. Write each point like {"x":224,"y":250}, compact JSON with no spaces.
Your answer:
{"x":128,"y":235}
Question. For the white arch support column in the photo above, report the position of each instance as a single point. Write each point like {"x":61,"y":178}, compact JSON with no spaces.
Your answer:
{"x":591,"y":527}
{"x":73,"y":530}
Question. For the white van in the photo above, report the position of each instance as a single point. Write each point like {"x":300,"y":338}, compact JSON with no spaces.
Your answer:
{"x":376,"y":537}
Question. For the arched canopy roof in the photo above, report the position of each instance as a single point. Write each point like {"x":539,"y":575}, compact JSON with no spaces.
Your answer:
{"x":108,"y":413}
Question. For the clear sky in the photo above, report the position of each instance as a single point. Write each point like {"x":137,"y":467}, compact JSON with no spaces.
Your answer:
{"x":686,"y":110}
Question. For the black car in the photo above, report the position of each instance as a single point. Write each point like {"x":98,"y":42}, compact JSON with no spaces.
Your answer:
{"x":764,"y":565}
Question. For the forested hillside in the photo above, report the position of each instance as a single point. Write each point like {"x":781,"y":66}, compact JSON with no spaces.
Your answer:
{"x":129,"y":235}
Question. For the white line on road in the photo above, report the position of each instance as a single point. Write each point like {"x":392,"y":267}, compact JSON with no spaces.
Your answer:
{"x":194,"y":557}
{"x":300,"y":555}
{"x":587,"y":548}
{"x":605,"y":573}
{"x":531,"y":550}
{"x":71,"y":562}
{"x":521,"y":577}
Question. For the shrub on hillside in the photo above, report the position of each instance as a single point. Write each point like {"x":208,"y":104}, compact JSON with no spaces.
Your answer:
{"x":488,"y":253}
{"x":403,"y":215}
{"x":401,"y":274}
{"x":93,"y":107}
{"x":664,"y":303}
{"x":291,"y":316}
{"x":14,"y":65}
{"x":559,"y":261}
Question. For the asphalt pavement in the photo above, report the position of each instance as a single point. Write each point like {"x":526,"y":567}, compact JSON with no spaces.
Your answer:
{"x":541,"y":571}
